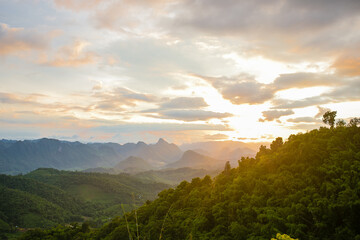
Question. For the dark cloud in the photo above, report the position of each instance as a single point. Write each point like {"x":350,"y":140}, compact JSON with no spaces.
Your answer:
{"x":184,"y":103}
{"x":291,"y":30}
{"x":275,"y":114}
{"x":239,"y":16}
{"x":241,"y":89}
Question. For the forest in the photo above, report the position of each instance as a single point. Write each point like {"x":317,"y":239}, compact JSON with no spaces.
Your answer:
{"x":47,"y":197}
{"x":307,"y":187}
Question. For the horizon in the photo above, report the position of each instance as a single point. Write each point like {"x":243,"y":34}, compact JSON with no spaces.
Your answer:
{"x":148,"y":143}
{"x":130,"y":71}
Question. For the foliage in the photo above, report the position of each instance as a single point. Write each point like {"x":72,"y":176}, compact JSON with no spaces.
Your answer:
{"x":307,"y":187}
{"x":47,"y":197}
{"x":283,"y":237}
{"x":329,"y":118}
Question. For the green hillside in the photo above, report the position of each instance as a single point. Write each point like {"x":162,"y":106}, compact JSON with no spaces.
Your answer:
{"x":47,"y":197}
{"x":307,"y":187}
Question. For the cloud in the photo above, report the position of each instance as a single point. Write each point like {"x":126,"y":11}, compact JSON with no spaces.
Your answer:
{"x":192,"y":115}
{"x":18,"y":40}
{"x":77,"y":5}
{"x":304,"y":120}
{"x":347,"y":66}
{"x":184,"y":103}
{"x":321,"y":111}
{"x":274,"y":114}
{"x":283,"y":30}
{"x":11,"y":98}
{"x":348,"y":91}
{"x":218,"y":136}
{"x":305,"y":80}
{"x":126,"y":127}
{"x":120,"y":98}
{"x":305,"y":127}
{"x":72,"y":55}
{"x":241,"y":89}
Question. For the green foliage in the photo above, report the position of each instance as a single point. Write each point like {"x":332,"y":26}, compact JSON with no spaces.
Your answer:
{"x":47,"y":197}
{"x":283,"y":237}
{"x":307,"y":187}
{"x":329,"y":118}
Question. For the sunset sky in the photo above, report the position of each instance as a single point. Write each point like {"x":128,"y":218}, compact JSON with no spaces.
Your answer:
{"x":184,"y":70}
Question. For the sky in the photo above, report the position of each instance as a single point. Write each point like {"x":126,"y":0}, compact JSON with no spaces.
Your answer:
{"x":184,"y":70}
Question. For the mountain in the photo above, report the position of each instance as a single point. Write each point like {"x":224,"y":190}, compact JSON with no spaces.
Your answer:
{"x":24,"y":156}
{"x":307,"y":187}
{"x":174,"y":176}
{"x":132,"y":164}
{"x":158,"y":154}
{"x":195,"y":160}
{"x":225,"y":150}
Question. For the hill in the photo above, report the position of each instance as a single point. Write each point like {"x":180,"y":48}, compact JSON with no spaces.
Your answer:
{"x":174,"y":176}
{"x":307,"y":187}
{"x":132,"y":164}
{"x":47,"y":197}
{"x":195,"y":160}
{"x":224,"y":150}
{"x":24,"y":156}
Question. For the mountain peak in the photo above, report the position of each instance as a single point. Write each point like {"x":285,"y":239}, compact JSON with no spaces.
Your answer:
{"x":161,"y":141}
{"x":141,"y":143}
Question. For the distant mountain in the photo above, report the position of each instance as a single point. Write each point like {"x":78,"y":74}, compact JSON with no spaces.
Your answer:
{"x":174,"y":176}
{"x":24,"y":156}
{"x":158,"y":154}
{"x":100,"y":170}
{"x":224,"y":150}
{"x":193,"y":159}
{"x":132,"y":164}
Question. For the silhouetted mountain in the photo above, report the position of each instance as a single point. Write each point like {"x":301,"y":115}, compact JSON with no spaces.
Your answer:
{"x":24,"y":156}
{"x":132,"y":164}
{"x":193,"y":159}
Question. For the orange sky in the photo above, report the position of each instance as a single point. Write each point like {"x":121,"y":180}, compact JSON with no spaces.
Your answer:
{"x":125,"y":71}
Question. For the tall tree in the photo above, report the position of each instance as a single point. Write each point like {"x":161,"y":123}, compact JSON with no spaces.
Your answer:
{"x":329,"y":118}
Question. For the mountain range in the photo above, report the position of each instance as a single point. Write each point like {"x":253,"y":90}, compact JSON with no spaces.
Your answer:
{"x":27,"y":155}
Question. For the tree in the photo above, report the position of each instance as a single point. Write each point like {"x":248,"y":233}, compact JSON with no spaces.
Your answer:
{"x":354,"y":122}
{"x":341,"y":123}
{"x":282,"y":237}
{"x":329,"y":118}
{"x":277,"y":143}
{"x":227,"y":167}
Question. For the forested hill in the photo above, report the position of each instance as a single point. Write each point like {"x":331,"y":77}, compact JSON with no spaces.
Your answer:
{"x":47,"y":197}
{"x":307,"y":187}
